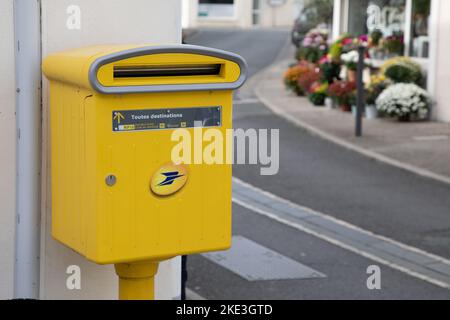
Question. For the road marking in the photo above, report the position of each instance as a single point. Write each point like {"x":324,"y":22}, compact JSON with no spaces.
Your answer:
{"x":192,"y":295}
{"x":238,"y":102}
{"x":254,"y":262}
{"x":431,"y":138}
{"x":409,"y":260}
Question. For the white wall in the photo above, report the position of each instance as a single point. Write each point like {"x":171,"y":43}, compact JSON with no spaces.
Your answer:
{"x":7,"y":149}
{"x":102,"y":22}
{"x":442,"y":63}
{"x":242,"y":12}
{"x":282,"y":16}
{"x":185,"y":13}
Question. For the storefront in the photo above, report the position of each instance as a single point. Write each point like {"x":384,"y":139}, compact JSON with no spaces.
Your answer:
{"x":409,"y":19}
{"x":423,"y":26}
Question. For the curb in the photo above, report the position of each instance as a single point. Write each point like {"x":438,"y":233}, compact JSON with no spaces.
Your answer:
{"x":324,"y":135}
{"x":189,"y":33}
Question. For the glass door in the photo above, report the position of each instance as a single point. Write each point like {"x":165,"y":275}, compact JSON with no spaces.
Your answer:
{"x":256,"y":13}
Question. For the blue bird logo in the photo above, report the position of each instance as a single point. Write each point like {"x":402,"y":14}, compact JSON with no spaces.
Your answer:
{"x":170,"y":178}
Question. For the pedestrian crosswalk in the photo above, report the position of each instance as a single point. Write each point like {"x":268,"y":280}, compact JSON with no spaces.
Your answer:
{"x":255,"y":262}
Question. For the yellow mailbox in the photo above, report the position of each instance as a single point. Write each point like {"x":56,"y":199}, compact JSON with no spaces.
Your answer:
{"x":117,"y":197}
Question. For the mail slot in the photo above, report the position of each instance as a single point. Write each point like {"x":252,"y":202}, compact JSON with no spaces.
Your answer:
{"x":170,"y":71}
{"x":117,"y":196}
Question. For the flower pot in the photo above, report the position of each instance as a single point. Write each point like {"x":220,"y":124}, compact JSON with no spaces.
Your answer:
{"x":351,"y":75}
{"x":405,"y":118}
{"x":373,"y":52}
{"x":371,"y":112}
{"x":317,"y":99}
{"x":380,"y":55}
{"x":329,"y":103}
{"x":345,"y":108}
{"x":299,"y":92}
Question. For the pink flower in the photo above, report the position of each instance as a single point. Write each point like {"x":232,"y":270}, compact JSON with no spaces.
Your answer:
{"x":364,"y":38}
{"x":307,"y":42}
{"x":347,"y":41}
{"x":324,"y":59}
{"x":318,"y":39}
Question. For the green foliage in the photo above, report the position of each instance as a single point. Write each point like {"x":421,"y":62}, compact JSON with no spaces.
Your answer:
{"x":376,"y":36}
{"x":294,"y":87}
{"x":330,"y":71}
{"x":394,"y":44}
{"x":374,"y":91}
{"x":401,"y":73}
{"x":422,"y":7}
{"x":317,"y":98}
{"x":335,"y":51}
{"x":310,"y":54}
{"x":406,"y":61}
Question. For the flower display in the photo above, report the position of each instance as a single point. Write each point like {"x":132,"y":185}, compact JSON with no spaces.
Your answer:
{"x":402,"y":69}
{"x":318,"y":93}
{"x":378,"y":83}
{"x":375,"y":38}
{"x":347,"y":41}
{"x":307,"y":79}
{"x":293,"y":74}
{"x":342,"y":91}
{"x":394,"y":44}
{"x":314,"y":45}
{"x":319,"y":87}
{"x":362,"y":39}
{"x":317,"y":38}
{"x":401,"y":60}
{"x":350,"y":59}
{"x":330,"y":69}
{"x":404,"y":100}
{"x":394,"y":89}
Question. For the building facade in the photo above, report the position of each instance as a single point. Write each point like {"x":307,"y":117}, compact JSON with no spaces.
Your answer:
{"x":240,"y":13}
{"x":425,"y":26}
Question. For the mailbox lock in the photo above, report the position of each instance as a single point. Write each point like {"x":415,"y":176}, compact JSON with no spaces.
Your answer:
{"x":111,"y":180}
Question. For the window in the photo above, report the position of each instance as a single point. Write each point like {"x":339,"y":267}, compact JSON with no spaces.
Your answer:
{"x":419,"y":44}
{"x":408,"y":19}
{"x":388,"y":16}
{"x":216,"y":8}
{"x":256,"y":12}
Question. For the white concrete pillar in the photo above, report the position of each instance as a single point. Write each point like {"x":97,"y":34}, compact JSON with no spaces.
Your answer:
{"x":7,"y":149}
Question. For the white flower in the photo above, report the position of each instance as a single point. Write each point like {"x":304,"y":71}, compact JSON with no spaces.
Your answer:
{"x":404,"y":99}
{"x":352,"y":56}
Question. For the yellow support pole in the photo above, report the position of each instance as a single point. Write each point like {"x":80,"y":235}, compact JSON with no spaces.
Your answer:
{"x":137,"y":280}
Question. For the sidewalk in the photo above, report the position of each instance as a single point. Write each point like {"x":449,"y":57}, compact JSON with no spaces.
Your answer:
{"x":420,"y":147}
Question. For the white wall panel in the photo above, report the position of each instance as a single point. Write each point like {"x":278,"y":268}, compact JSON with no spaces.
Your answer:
{"x":7,"y":149}
{"x":102,"y":22}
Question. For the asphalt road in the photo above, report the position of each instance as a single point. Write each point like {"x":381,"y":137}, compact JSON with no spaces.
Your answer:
{"x":330,"y":179}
